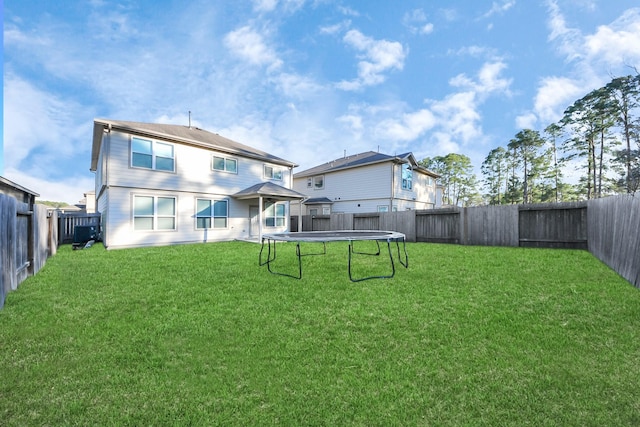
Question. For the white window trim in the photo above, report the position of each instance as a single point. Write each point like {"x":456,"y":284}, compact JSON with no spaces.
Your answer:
{"x":213,"y":216}
{"x":153,"y":154}
{"x":407,"y":184}
{"x":275,"y":170}
{"x":313,"y":180}
{"x":155,"y":216}
{"x":275,"y":216}
{"x":213,"y":157}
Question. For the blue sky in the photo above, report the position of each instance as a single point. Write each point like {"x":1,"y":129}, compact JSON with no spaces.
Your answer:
{"x":305,"y":80}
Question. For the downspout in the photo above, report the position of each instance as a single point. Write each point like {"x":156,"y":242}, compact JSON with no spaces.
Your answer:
{"x":104,"y":228}
{"x":393,"y":185}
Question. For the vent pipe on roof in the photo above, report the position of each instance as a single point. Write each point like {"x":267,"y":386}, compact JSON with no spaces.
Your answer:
{"x":189,"y":119}
{"x":345,"y":154}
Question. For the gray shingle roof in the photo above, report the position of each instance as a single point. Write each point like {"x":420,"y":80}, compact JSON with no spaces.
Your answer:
{"x":269,"y":189}
{"x":185,"y":134}
{"x":318,"y":201}
{"x":356,"y":160}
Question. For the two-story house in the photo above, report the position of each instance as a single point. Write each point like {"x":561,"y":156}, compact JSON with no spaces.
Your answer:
{"x":159,"y":184}
{"x":366,"y":182}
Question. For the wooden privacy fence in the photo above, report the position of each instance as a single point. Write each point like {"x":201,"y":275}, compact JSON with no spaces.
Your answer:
{"x":614,"y":234}
{"x":557,"y":225}
{"x":27,"y":238}
{"x":607,"y":227}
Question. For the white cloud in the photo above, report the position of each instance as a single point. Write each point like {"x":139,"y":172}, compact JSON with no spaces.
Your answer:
{"x":499,"y":8}
{"x":489,"y":79}
{"x":297,"y":86}
{"x":377,"y":57}
{"x":348,"y":11}
{"x":526,"y":121}
{"x":336,"y":28}
{"x":567,"y":39}
{"x":407,"y":127}
{"x":458,"y":115}
{"x":353,"y":124}
{"x":68,"y":189}
{"x":43,"y":134}
{"x":617,"y":43}
{"x":37,"y":121}
{"x":249,"y":44}
{"x":264,"y":5}
{"x":595,"y":57}
{"x":416,"y":22}
{"x":476,"y":51}
{"x":442,"y":144}
{"x":272,"y":5}
{"x":554,"y":95}
{"x":427,"y":28}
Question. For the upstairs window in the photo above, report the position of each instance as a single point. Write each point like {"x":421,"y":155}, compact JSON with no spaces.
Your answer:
{"x":225,"y":164}
{"x":407,"y":177}
{"x":271,"y":172}
{"x":316,"y":182}
{"x":149,"y":154}
{"x":211,"y":213}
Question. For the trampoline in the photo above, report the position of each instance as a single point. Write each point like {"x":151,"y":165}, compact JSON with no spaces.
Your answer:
{"x":269,"y":245}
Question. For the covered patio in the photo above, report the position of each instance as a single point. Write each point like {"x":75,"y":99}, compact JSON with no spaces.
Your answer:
{"x":268,"y":192}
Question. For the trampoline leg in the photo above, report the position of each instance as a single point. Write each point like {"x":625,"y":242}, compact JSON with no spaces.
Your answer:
{"x":405,"y":264}
{"x":271,"y":257}
{"x":393,"y":267}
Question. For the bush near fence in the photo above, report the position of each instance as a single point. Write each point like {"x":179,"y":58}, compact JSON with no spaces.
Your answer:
{"x":606,"y":227}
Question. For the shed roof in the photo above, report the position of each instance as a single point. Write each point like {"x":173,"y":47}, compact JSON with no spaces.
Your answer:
{"x":178,"y":133}
{"x":4,"y":182}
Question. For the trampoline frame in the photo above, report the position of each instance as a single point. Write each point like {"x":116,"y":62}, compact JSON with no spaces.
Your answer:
{"x":323,"y":237}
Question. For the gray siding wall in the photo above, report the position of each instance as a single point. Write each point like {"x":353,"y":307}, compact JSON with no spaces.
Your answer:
{"x":366,"y":188}
{"x":193,"y":178}
{"x":193,"y":170}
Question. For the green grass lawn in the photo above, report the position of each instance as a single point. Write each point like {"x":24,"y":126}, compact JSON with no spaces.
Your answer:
{"x":200,"y":335}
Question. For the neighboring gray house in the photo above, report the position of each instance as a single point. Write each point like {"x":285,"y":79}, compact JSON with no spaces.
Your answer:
{"x":160,"y":184}
{"x":366,"y":182}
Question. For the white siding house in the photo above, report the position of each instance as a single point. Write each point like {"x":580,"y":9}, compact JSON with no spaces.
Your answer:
{"x":165,"y":184}
{"x":366,"y":182}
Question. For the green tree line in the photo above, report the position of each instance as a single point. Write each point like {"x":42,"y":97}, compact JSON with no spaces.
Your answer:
{"x":596,"y":142}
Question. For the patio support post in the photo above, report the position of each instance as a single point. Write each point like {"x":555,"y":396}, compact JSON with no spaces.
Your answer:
{"x":260,"y":218}
{"x":300,"y":215}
